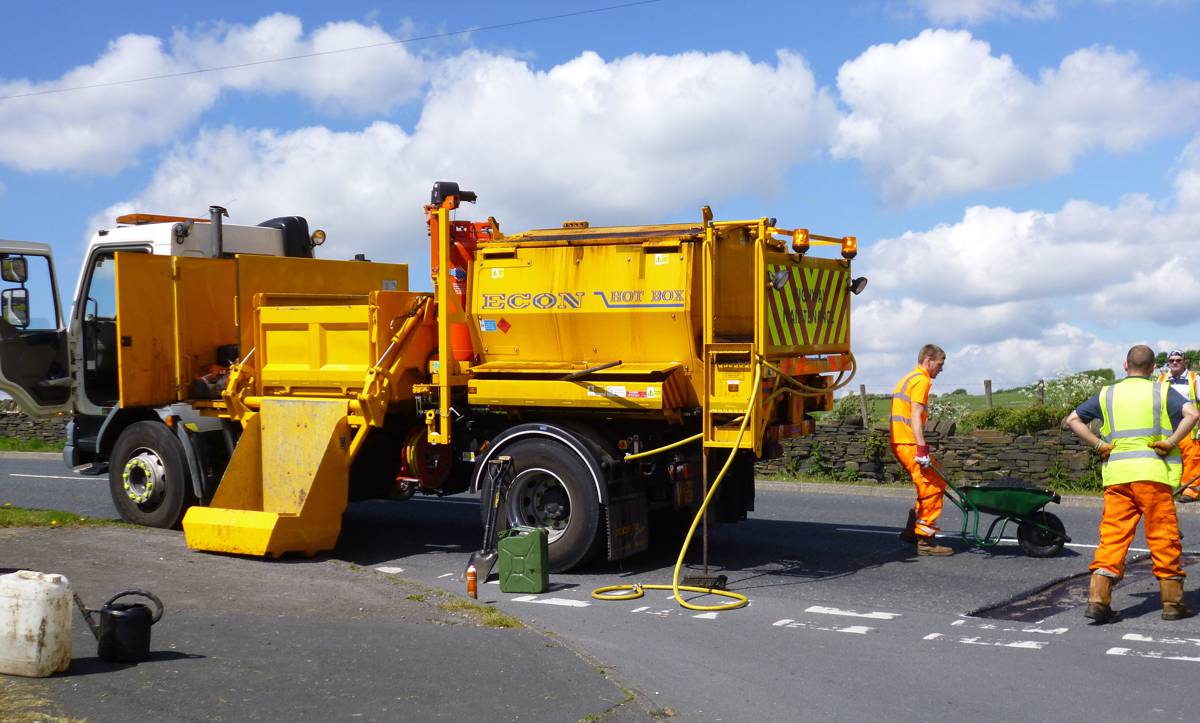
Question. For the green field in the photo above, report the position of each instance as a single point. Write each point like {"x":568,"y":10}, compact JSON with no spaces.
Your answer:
{"x":879,"y":404}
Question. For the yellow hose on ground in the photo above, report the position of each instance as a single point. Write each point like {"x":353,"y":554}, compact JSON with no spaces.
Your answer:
{"x":636,"y":590}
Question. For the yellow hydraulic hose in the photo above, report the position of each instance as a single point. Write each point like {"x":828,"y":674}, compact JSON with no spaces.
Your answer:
{"x":636,"y":590}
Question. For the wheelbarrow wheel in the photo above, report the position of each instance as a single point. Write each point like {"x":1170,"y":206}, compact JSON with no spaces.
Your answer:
{"x":1038,"y":542}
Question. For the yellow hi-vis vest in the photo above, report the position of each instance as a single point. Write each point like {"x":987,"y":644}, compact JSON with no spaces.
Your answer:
{"x":1134,"y":415}
{"x":1191,"y":393}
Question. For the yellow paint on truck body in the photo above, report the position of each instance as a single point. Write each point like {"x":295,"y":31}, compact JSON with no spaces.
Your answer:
{"x":686,"y":309}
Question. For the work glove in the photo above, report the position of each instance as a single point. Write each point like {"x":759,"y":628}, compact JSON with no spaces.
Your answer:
{"x":1162,"y":446}
{"x":1104,"y":449}
{"x":923,"y":455}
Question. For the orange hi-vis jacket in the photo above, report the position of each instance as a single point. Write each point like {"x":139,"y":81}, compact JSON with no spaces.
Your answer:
{"x":913,"y":388}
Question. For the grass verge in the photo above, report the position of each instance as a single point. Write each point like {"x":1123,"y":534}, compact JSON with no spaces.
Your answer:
{"x":15,"y":444}
{"x":483,"y":614}
{"x":22,"y":517}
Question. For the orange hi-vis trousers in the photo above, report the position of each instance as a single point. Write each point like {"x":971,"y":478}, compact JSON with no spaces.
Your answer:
{"x":1124,"y":505}
{"x":1190,"y":449}
{"x":929,"y":490}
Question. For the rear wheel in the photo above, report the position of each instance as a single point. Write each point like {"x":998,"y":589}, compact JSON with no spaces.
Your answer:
{"x":551,"y":488}
{"x":148,"y":477}
{"x":1039,"y":542}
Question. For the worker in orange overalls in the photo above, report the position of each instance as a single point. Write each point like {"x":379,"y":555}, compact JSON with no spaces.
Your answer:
{"x":1142,"y":421}
{"x":1183,"y":381}
{"x":909,"y":401}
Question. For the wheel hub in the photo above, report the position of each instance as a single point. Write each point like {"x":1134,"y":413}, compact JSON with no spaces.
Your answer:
{"x":143,"y":477}
{"x":539,"y":499}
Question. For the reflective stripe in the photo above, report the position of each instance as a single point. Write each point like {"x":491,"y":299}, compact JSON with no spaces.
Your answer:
{"x":1157,"y":406}
{"x":1134,"y":454}
{"x":1146,"y":432}
{"x":903,"y":420}
{"x":904,"y":385}
{"x":1108,"y":396}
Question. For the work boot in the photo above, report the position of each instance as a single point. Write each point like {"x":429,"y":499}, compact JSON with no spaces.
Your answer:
{"x":926,"y":546}
{"x":909,"y":534}
{"x":1172,"y":600}
{"x":1099,"y":607}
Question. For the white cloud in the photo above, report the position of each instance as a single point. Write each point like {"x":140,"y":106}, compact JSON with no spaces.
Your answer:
{"x":970,"y":12}
{"x":624,"y":141}
{"x":940,"y":115}
{"x":363,"y":81}
{"x":1018,"y":295}
{"x":102,"y":129}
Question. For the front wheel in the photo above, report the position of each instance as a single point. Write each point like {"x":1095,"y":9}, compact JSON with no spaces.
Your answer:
{"x":147,"y":476}
{"x":551,"y":488}
{"x":1039,"y":542}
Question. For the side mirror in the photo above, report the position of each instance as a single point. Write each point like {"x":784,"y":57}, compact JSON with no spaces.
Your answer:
{"x":14,"y":306}
{"x":14,"y":269}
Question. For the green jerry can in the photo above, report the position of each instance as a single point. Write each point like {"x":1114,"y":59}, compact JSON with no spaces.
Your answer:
{"x":524,"y":560}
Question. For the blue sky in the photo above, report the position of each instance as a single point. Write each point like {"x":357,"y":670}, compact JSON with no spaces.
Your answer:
{"x":1023,"y":175}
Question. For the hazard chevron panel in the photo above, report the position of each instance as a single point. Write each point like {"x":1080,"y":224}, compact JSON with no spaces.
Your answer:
{"x":810,"y":313}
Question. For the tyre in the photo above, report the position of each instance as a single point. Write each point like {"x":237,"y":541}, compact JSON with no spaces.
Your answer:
{"x":551,"y":488}
{"x":1037,"y":542}
{"x":147,"y":476}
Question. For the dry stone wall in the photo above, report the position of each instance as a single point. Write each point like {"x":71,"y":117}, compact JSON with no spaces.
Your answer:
{"x":15,"y":423}
{"x":981,"y":455}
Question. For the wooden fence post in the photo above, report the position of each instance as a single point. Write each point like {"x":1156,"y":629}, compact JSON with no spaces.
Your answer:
{"x":1041,"y":391}
{"x":862,"y":400}
{"x":987,"y":392}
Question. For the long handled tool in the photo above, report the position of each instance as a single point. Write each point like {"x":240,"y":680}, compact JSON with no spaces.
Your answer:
{"x":1191,"y":485}
{"x":499,"y":476}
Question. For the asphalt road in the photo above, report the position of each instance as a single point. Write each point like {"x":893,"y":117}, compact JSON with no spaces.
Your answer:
{"x":845,"y":622}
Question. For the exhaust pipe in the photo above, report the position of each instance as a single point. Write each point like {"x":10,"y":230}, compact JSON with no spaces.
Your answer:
{"x":214,"y":217}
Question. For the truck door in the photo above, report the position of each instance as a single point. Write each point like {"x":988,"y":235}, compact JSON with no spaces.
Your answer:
{"x":34,"y":364}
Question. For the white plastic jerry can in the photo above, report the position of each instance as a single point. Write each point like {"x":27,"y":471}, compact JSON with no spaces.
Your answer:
{"x":35,"y":623}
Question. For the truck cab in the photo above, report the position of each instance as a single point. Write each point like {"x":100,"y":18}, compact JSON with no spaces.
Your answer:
{"x":52,"y":365}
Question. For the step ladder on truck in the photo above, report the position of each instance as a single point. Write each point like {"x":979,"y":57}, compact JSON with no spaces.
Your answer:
{"x":566,"y":349}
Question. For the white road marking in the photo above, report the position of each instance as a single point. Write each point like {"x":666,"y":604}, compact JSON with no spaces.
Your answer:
{"x":642,"y":609}
{"x":993,"y":626}
{"x":850,"y":613}
{"x":860,"y":529}
{"x":54,"y":476}
{"x":562,"y":602}
{"x":855,"y":629}
{"x":444,"y":547}
{"x":1169,"y":641}
{"x":449,"y":574}
{"x":965,"y":640}
{"x":1152,"y":654}
{"x":706,"y":616}
{"x":390,"y":570}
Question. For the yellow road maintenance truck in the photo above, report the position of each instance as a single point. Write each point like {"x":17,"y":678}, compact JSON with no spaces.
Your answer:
{"x":251,"y":391}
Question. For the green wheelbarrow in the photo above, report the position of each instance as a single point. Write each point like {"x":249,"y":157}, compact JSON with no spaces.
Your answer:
{"x":1039,"y":533}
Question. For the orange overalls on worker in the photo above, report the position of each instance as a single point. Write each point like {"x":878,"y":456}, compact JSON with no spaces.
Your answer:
{"x":1184,"y":381}
{"x":910,"y":400}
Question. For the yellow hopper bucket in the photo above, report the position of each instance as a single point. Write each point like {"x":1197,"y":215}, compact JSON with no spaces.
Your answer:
{"x":280,"y":493}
